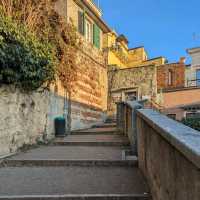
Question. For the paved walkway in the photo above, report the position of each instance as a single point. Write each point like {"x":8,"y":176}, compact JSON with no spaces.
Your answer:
{"x":84,"y":166}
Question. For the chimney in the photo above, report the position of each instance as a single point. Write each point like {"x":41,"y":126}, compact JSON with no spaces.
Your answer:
{"x":182,"y":60}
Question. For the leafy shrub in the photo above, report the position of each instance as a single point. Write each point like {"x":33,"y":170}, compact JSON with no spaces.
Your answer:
{"x":193,"y":123}
{"x":24,"y":60}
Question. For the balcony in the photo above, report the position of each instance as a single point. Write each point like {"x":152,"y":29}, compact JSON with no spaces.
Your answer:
{"x":193,"y":83}
{"x":94,"y":6}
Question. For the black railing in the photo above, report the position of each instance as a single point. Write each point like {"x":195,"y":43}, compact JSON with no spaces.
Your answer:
{"x":193,"y":83}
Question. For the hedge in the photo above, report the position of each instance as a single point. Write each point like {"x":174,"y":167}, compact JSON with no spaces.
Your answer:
{"x":193,"y":123}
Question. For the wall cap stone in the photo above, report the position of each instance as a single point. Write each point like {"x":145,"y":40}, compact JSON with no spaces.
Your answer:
{"x":185,"y":139}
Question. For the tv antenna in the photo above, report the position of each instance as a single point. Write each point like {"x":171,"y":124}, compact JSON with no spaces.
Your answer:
{"x":98,"y":3}
{"x":196,"y":37}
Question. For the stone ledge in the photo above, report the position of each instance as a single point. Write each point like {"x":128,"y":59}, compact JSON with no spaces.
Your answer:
{"x":81,"y":197}
{"x":185,"y":139}
{"x":66,"y":163}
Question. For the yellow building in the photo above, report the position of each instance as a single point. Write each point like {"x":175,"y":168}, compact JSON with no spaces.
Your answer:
{"x":120,"y":55}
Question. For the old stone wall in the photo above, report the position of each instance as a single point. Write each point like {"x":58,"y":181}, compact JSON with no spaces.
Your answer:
{"x":169,"y":157}
{"x":141,"y":80}
{"x":26,"y":118}
{"x":29,"y":118}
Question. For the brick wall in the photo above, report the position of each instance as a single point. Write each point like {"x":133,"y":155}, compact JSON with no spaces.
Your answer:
{"x":178,"y":75}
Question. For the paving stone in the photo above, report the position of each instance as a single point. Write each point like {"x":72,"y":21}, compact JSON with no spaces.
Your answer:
{"x":71,"y":180}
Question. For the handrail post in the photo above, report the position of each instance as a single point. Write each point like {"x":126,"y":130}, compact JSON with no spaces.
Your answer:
{"x":126,"y":121}
{"x":135,"y":106}
{"x":121,"y":116}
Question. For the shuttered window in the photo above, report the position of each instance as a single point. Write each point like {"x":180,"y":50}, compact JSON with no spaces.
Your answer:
{"x":96,"y":36}
{"x":81,"y":22}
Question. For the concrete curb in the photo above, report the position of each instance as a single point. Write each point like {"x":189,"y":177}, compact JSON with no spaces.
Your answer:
{"x":80,"y":197}
{"x":60,"y":143}
{"x":96,"y":133}
{"x":61,"y":163}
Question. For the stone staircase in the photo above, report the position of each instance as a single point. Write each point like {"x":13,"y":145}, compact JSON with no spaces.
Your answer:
{"x":87,"y":165}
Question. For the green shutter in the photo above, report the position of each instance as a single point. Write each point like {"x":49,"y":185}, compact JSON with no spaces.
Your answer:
{"x":81,"y":22}
{"x":96,"y":36}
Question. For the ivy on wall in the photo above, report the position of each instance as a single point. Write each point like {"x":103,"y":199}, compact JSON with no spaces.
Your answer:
{"x":25,"y":61}
{"x":54,"y":35}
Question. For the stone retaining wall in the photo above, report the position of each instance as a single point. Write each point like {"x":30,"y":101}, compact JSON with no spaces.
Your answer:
{"x":28,"y":118}
{"x":141,"y":80}
{"x":169,"y":156}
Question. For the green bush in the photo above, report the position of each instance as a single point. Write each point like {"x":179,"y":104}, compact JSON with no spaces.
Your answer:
{"x":193,"y":123}
{"x":25,"y":61}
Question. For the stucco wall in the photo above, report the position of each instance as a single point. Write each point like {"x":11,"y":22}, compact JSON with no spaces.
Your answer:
{"x":181,"y":97}
{"x":140,"y":79}
{"x":169,"y":157}
{"x":26,"y":118}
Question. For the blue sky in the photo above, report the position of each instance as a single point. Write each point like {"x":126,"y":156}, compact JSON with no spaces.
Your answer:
{"x":164,"y":27}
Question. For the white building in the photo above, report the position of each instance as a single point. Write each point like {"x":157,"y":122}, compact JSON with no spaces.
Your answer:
{"x":192,"y":73}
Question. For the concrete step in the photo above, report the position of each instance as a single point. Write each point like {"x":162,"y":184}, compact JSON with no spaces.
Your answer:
{"x":71,"y":156}
{"x":111,"y":120}
{"x":98,"y":131}
{"x":105,"y":125}
{"x":64,"y":163}
{"x":80,"y":197}
{"x":93,"y":140}
{"x":72,"y":183}
{"x":72,"y":153}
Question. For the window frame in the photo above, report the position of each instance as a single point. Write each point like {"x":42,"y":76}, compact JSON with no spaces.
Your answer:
{"x":88,"y":30}
{"x":170,"y":77}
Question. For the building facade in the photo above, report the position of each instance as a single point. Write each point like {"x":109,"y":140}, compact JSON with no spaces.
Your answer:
{"x":181,"y":102}
{"x":171,"y":75}
{"x":193,"y":71}
{"x":122,"y":56}
{"x":89,"y":101}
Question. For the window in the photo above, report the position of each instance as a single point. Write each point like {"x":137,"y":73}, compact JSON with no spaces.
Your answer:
{"x":131,"y":96}
{"x":96,"y":36}
{"x":88,"y":31}
{"x":192,"y":115}
{"x":172,"y":116}
{"x":170,"y":77}
{"x":81,"y":22}
{"x":198,"y":77}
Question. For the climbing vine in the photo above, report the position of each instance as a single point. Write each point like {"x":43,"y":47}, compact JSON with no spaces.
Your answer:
{"x":24,"y":60}
{"x":41,"y":19}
